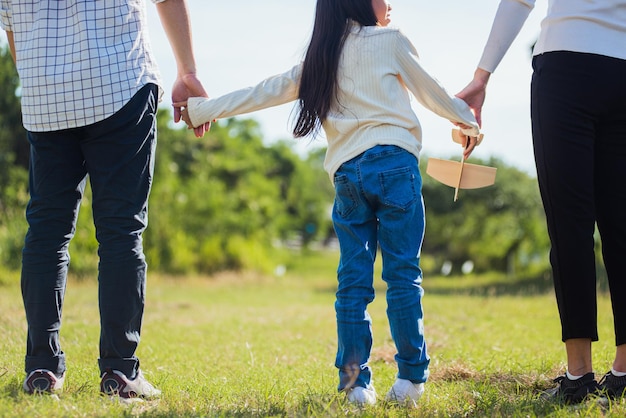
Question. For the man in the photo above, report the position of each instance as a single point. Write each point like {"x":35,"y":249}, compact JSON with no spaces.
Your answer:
{"x":90,"y":89}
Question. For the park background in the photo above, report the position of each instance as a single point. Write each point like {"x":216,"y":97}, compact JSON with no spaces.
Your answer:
{"x":242,"y":254}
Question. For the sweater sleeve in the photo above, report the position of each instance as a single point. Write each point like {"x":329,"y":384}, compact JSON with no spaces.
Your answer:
{"x":273,"y":91}
{"x":428,"y":91}
{"x":509,"y":20}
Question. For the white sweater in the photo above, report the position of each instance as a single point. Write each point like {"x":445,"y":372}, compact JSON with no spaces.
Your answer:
{"x":589,"y":26}
{"x":377,"y":67}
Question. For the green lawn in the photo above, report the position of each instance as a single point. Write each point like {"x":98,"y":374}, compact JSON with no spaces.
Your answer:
{"x":243,"y":345}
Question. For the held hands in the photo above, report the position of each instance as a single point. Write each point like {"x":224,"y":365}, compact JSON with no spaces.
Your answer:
{"x":467,"y":142}
{"x":187,"y":86}
{"x":474,"y":95}
{"x":184,"y":114}
{"x":471,"y":142}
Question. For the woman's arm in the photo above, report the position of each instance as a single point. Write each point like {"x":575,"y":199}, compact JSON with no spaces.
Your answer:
{"x":509,"y":20}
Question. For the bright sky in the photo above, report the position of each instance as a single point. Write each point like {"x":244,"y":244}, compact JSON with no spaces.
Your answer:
{"x":240,"y":42}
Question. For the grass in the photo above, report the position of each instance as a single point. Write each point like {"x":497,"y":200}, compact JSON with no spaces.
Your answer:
{"x":240,"y":345}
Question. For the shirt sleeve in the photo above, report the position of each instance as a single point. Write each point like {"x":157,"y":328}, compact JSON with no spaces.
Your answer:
{"x":428,"y":91}
{"x":273,"y":91}
{"x":6,"y":18}
{"x":158,"y":1}
{"x":509,"y":20}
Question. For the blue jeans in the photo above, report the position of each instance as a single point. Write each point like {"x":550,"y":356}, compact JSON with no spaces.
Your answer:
{"x":378,"y":202}
{"x":118,"y":156}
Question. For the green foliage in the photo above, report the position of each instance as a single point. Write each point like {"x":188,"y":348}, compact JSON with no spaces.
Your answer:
{"x":501,"y":227}
{"x":13,"y":168}
{"x":13,"y":144}
{"x":229,"y":201}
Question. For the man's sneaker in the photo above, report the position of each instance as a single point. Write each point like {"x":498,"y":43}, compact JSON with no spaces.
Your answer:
{"x":362,"y":396}
{"x":405,"y":392}
{"x":573,"y":391}
{"x":115,"y":383}
{"x":613,"y":386}
{"x":43,"y":381}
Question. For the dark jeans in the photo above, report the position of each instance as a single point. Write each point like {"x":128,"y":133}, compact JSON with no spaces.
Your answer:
{"x":579,"y":132}
{"x":118,"y":156}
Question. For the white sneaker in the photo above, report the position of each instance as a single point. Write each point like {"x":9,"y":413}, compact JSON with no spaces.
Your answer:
{"x":406,"y":392}
{"x":115,"y":383}
{"x":43,"y":380}
{"x":362,"y":396}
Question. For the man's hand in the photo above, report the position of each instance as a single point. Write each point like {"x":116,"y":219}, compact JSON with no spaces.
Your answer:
{"x":187,"y":86}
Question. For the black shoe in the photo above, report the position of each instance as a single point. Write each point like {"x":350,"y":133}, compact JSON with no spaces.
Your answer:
{"x":613,"y":386}
{"x":574,"y":391}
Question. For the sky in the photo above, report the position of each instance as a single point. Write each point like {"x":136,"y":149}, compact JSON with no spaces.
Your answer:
{"x":238,"y":43}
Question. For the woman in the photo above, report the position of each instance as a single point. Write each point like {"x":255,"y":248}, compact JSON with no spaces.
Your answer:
{"x":578,"y":111}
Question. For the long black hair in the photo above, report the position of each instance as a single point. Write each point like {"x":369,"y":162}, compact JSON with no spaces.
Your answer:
{"x":318,"y":84}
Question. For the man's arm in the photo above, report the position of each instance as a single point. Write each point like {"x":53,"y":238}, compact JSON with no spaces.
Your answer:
{"x":11,"y":44}
{"x":176,"y":23}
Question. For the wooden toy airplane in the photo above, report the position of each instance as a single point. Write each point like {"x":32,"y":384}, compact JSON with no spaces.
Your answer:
{"x":461,"y":175}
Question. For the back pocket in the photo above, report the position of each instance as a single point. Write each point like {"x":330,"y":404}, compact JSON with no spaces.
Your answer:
{"x":345,"y":195}
{"x":399,"y":187}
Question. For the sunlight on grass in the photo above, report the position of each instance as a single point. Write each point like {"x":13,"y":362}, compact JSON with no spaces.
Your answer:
{"x":249,"y":345}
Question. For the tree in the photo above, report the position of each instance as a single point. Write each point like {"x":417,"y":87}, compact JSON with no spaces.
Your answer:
{"x":13,"y":165}
{"x":501,"y":227}
{"x":223,"y":202}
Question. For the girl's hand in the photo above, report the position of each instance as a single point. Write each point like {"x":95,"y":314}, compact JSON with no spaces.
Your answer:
{"x":471,"y":142}
{"x":184,"y":115}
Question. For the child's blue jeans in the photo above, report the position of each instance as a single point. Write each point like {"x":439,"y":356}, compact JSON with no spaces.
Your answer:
{"x":378,"y":203}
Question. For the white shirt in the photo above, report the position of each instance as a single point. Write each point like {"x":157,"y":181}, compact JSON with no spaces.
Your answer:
{"x":378,"y":68}
{"x":79,"y":61}
{"x":588,"y":26}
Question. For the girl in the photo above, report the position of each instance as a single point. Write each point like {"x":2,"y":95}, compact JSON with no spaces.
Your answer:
{"x":354,"y":83}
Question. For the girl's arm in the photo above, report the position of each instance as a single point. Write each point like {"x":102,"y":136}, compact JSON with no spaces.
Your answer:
{"x":279,"y":89}
{"x":429,"y":92}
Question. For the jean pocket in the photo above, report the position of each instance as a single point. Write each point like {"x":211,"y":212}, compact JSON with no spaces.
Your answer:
{"x":399,"y":187}
{"x":345,"y":195}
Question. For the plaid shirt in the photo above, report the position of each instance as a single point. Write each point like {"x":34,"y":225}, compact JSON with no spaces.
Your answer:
{"x":79,"y":61}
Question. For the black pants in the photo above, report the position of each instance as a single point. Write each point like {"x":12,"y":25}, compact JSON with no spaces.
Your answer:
{"x":578,"y":108}
{"x":117,"y":155}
